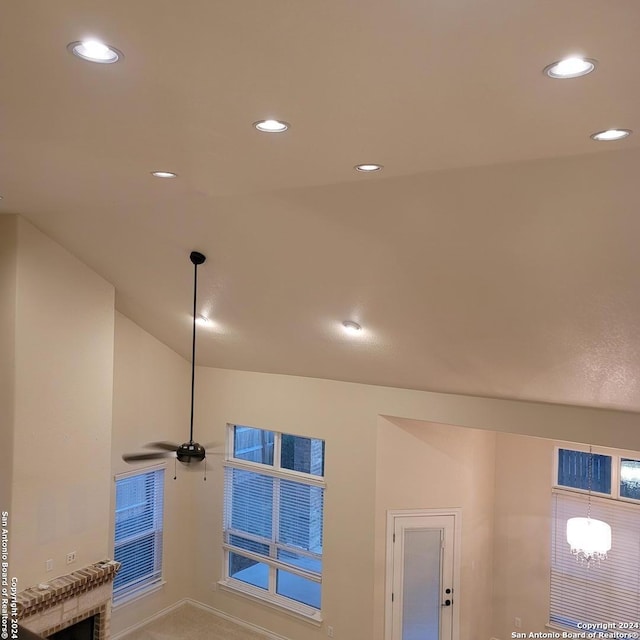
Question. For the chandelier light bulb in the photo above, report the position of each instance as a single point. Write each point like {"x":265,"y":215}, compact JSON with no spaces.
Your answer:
{"x":589,"y":539}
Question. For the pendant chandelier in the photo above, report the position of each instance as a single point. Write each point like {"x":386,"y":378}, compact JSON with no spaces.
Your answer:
{"x":589,"y":539}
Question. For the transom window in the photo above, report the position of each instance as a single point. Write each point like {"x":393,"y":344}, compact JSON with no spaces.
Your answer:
{"x":138,"y":533}
{"x":273,"y":517}
{"x":605,"y":592}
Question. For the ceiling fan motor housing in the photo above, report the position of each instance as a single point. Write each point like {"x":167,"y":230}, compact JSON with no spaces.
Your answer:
{"x":190,"y":452}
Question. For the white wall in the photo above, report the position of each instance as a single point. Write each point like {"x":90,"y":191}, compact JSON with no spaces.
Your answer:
{"x":8,"y":250}
{"x":523,"y":511}
{"x":151,"y":403}
{"x":431,"y":466}
{"x":347,"y":416}
{"x":63,"y":397}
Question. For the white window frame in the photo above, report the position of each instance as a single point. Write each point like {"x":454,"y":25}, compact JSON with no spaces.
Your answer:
{"x":269,"y":596}
{"x":145,"y":585}
{"x":611,"y":507}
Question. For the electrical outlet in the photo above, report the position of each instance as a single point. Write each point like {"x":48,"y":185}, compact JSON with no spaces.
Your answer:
{"x":71,"y":557}
{"x":49,"y":565}
{"x":518,"y":623}
{"x":330,"y":632}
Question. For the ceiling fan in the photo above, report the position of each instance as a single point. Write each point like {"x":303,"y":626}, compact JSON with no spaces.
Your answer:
{"x":191,"y":451}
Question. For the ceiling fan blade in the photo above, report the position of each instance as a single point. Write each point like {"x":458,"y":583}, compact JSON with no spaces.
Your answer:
{"x":212,"y":445}
{"x":167,"y":446}
{"x":134,"y":457}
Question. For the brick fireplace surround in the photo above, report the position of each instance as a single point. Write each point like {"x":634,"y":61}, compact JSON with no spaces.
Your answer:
{"x":70,"y":599}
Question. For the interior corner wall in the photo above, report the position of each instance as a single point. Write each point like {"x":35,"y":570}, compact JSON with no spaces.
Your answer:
{"x":151,"y":403}
{"x":522,"y":533}
{"x":8,"y":250}
{"x":422,"y":465}
{"x":64,"y":327}
{"x":335,"y":412}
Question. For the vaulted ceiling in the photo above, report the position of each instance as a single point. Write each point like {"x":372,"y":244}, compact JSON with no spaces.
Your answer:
{"x":495,"y":254}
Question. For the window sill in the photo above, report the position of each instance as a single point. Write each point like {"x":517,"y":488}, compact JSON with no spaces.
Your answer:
{"x":301,"y":611}
{"x":137,"y":594}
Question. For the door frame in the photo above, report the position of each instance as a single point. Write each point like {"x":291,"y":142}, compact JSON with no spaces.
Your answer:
{"x":392,"y":514}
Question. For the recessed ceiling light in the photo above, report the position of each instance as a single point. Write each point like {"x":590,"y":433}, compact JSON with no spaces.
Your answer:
{"x":164,"y":174}
{"x":368,"y":168}
{"x":610,"y":134}
{"x":351,"y":327}
{"x":271,"y":126}
{"x":202,"y":320}
{"x":95,"y":51}
{"x":573,"y":67}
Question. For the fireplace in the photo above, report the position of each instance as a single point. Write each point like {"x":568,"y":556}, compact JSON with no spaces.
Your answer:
{"x":77,"y":606}
{"x":82,"y":630}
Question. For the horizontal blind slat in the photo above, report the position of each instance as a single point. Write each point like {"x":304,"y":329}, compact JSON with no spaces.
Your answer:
{"x":605,"y":592}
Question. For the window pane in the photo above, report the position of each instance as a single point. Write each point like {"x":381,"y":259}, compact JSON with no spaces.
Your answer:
{"x":138,"y":561}
{"x":249,"y":571}
{"x":573,"y":470}
{"x":254,"y":445}
{"x":300,"y":561}
{"x":297,"y":588}
{"x":134,"y":505}
{"x":302,"y":454}
{"x":249,"y":545}
{"x":630,"y":478}
{"x":300,"y":519}
{"x":250,"y":502}
{"x":138,"y":531}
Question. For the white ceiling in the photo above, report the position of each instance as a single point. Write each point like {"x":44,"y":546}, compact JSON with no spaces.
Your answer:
{"x":495,"y":255}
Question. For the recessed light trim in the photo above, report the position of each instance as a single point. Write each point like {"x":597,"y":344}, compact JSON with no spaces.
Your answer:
{"x":572,"y":67}
{"x":164,"y":174}
{"x":351,"y":327}
{"x":610,"y":135}
{"x":95,"y":51}
{"x":368,"y":168}
{"x":271,"y":126}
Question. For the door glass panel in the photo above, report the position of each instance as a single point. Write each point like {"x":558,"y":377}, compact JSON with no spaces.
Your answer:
{"x":421,"y":584}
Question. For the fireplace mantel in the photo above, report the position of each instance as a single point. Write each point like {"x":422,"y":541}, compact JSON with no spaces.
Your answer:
{"x":55,"y":605}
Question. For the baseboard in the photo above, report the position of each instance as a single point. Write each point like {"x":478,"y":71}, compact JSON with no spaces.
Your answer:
{"x":146,"y":621}
{"x":241,"y":623}
{"x":205,"y":607}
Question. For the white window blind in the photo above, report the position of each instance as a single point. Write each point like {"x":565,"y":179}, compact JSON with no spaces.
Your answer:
{"x":138,"y":532}
{"x":608,"y":592}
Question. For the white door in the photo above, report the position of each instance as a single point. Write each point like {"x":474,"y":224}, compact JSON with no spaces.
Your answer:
{"x":421,"y":578}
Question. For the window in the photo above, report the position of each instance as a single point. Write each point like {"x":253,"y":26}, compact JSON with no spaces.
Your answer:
{"x":573,"y":470}
{"x":608,"y":592}
{"x":273,"y":520}
{"x":138,"y":532}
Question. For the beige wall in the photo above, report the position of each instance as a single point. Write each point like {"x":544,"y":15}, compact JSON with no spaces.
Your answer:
{"x":347,"y":417}
{"x":63,"y":398}
{"x":524,"y":476}
{"x":151,"y":403}
{"x":431,"y":466}
{"x":319,"y":409}
{"x":64,"y":461}
{"x":8,"y":248}
{"x":522,"y":533}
